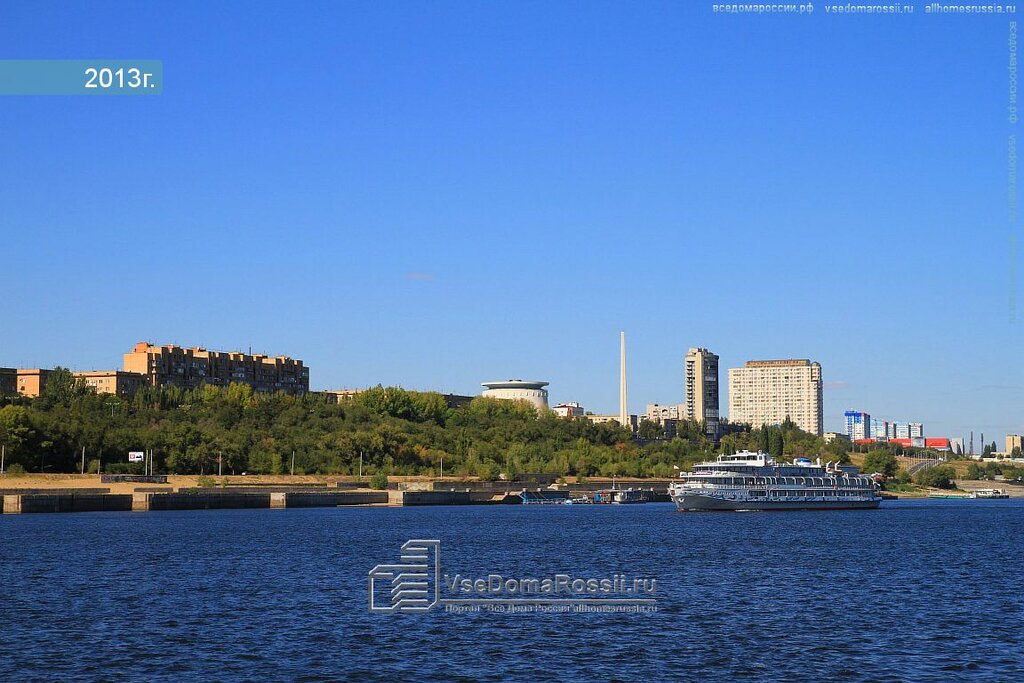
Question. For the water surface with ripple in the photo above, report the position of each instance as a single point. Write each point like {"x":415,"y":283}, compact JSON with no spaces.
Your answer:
{"x":915,"y":591}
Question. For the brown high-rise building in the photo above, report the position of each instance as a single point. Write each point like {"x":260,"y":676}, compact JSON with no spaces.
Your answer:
{"x":8,"y":381}
{"x":171,"y":365}
{"x":701,"y":387}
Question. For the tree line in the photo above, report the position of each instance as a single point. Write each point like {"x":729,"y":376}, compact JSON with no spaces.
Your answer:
{"x":381,"y":430}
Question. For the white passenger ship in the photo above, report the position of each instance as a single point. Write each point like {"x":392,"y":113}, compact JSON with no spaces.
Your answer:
{"x":754,"y":481}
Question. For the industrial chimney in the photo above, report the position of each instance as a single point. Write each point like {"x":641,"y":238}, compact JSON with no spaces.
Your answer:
{"x":623,"y":410}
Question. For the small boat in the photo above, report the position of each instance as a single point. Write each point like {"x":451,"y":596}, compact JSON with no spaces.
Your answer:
{"x":989,"y":493}
{"x":628,"y":496}
{"x":544,"y":497}
{"x":621,"y":496}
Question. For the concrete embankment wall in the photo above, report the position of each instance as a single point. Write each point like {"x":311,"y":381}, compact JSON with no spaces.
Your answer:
{"x":54,"y":492}
{"x":67,"y":503}
{"x":331,"y":499}
{"x":207,"y":501}
{"x":405,"y":498}
{"x":142,"y":501}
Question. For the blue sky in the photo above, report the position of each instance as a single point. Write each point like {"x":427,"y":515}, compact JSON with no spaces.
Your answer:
{"x":434,"y":194}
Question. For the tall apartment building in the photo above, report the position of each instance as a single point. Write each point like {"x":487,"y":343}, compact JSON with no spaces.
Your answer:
{"x":858,"y":425}
{"x":916,"y":430}
{"x":701,"y":384}
{"x":882,"y":429}
{"x":769,"y":391}
{"x":190,"y":367}
{"x":1013,"y":441}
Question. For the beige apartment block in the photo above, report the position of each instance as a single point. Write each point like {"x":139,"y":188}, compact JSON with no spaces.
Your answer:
{"x":633,"y":420}
{"x":172,"y":365}
{"x":32,"y":381}
{"x":659,"y":413}
{"x":769,"y":391}
{"x":116,"y":382}
{"x":1013,"y":441}
{"x":337,"y":396}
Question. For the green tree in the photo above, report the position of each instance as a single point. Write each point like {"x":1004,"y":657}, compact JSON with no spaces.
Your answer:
{"x":940,"y":477}
{"x":882,"y":461}
{"x":838,"y":449}
{"x":776,"y":443}
{"x":763,"y":440}
{"x":648,"y":429}
{"x":263,"y":461}
{"x":62,"y":388}
{"x":15,"y":429}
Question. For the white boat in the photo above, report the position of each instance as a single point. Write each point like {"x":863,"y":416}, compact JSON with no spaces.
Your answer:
{"x":754,"y":481}
{"x":989,"y":493}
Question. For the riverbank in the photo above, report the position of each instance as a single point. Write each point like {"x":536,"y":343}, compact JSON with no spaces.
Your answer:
{"x":30,"y":493}
{"x":964,"y":488}
{"x":269,"y":481}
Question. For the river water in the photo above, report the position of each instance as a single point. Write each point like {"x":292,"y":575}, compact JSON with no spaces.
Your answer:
{"x":915,"y":591}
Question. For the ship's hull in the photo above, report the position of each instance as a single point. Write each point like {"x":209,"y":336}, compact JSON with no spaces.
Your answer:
{"x":697,"y":503}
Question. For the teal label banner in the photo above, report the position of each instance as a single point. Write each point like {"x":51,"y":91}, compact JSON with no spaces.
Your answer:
{"x":81,"y":77}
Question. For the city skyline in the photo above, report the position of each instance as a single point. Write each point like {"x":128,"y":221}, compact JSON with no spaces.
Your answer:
{"x":688,"y":357}
{"x":407,"y":180}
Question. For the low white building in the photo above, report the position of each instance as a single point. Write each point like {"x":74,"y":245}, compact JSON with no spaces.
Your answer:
{"x":571,"y":409}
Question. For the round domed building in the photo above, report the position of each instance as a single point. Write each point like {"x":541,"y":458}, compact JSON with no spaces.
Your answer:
{"x":519,"y":390}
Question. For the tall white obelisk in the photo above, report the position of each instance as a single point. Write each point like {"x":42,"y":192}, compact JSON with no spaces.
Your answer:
{"x":623,"y":410}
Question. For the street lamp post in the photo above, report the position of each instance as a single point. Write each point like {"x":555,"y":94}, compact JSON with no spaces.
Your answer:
{"x":112,"y":404}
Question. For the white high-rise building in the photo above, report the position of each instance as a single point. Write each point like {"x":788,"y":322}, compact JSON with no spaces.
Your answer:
{"x":858,"y":425}
{"x":769,"y":391}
